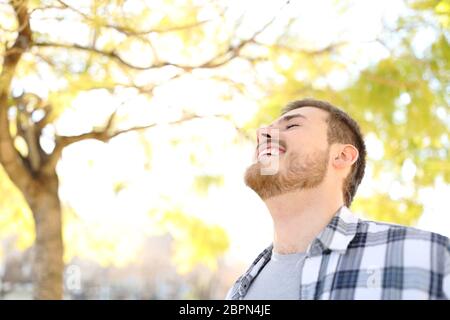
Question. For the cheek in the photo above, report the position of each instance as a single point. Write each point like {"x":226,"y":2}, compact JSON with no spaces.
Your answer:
{"x":299,"y":143}
{"x":316,"y":141}
{"x":304,"y":151}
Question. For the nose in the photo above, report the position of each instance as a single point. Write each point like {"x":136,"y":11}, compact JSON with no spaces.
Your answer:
{"x":265,"y":134}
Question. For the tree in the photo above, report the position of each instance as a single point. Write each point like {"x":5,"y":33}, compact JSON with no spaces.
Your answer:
{"x":117,"y":45}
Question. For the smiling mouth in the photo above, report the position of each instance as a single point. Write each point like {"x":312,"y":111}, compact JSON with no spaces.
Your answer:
{"x":273,"y":151}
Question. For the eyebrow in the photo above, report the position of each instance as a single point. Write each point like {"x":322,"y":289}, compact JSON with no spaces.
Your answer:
{"x":292,"y":116}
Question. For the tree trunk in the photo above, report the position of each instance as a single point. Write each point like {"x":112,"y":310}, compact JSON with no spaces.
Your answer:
{"x":48,"y":247}
{"x":39,"y":184}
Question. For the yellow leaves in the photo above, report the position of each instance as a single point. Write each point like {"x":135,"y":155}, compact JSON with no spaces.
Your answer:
{"x":60,"y":100}
{"x":8,"y":20}
{"x":431,"y":169}
{"x":203,"y":182}
{"x":21,"y":146}
{"x":424,"y":4}
{"x":25,"y":229}
{"x":76,"y":83}
{"x":443,"y":7}
{"x":105,"y":243}
{"x":381,"y":207}
{"x":119,"y":186}
{"x":88,"y":80}
{"x":98,"y":21}
{"x":15,"y":216}
{"x":440,"y":7}
{"x":195,"y":242}
{"x":27,"y":66}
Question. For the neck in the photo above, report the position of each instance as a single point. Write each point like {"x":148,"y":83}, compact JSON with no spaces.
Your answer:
{"x":299,"y":217}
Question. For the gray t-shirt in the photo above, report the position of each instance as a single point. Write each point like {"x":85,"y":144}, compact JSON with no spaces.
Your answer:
{"x":279,"y":279}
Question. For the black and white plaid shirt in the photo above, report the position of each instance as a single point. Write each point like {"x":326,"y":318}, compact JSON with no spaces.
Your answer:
{"x":356,"y":259}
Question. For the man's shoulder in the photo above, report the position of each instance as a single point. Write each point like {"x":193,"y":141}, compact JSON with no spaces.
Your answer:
{"x":385,"y":232}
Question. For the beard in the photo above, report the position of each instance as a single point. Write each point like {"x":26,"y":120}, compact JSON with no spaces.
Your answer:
{"x":299,"y":173}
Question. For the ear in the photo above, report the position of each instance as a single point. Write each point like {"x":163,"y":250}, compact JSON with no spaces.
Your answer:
{"x":345,"y":156}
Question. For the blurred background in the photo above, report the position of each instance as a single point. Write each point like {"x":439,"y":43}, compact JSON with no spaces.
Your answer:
{"x":126,"y":127}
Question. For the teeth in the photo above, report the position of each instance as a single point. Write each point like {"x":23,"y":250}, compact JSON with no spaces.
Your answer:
{"x":269,"y":152}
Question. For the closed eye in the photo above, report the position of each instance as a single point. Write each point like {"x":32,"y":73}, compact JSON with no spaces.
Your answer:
{"x":292,"y":125}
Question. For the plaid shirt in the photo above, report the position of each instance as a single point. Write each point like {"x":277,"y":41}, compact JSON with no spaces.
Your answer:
{"x":356,"y":259}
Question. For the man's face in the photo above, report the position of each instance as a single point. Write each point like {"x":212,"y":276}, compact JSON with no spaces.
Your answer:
{"x":292,"y":153}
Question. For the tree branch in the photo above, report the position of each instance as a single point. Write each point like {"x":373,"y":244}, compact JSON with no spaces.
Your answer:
{"x":110,"y":54}
{"x":219,"y":60}
{"x":233,"y":51}
{"x":131,"y":32}
{"x":102,"y":135}
{"x":330,"y":48}
{"x":9,"y":157}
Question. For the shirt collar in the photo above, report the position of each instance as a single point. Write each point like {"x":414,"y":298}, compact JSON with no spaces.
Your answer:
{"x":336,"y":236}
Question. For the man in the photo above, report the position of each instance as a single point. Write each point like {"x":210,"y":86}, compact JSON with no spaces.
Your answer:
{"x":308,"y":166}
